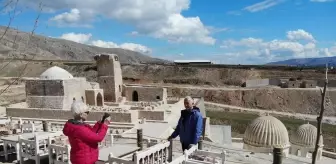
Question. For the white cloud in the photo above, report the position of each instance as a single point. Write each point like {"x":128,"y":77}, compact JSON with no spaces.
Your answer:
{"x":160,"y":18}
{"x":79,"y":38}
{"x":104,"y":44}
{"x":262,"y":5}
{"x":74,"y":18}
{"x":256,"y":49}
{"x":300,"y":35}
{"x":86,"y":39}
{"x":136,"y":47}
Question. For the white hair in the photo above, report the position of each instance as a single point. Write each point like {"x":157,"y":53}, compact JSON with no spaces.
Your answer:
{"x":78,"y":107}
{"x":189,"y":98}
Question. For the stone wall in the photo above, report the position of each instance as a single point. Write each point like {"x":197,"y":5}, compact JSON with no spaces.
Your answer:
{"x":94,"y":97}
{"x":73,"y":88}
{"x":257,"y":83}
{"x":140,"y":93}
{"x":51,"y":102}
{"x":109,"y":76}
{"x":44,"y":88}
{"x":306,"y":101}
{"x":331,"y":83}
{"x":151,"y":115}
{"x":54,"y":94}
{"x":262,"y":82}
{"x":129,"y":117}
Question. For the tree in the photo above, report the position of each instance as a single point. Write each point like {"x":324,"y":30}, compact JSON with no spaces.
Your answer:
{"x":320,"y":117}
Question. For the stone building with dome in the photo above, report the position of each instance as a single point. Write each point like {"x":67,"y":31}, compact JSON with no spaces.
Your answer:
{"x":55,"y":89}
{"x":303,"y":141}
{"x":264,"y":133}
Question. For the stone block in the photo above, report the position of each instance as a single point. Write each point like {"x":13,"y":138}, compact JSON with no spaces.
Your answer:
{"x":127,"y":117}
{"x":309,"y":84}
{"x":257,"y":82}
{"x":112,"y":90}
{"x":44,"y":88}
{"x":94,"y":97}
{"x":146,"y":94}
{"x":294,"y":84}
{"x":151,"y":115}
{"x":50,"y":102}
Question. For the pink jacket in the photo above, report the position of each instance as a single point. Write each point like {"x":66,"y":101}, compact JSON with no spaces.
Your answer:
{"x":84,"y":141}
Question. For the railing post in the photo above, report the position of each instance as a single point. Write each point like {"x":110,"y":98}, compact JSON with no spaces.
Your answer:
{"x":200,"y":144}
{"x":139,"y":139}
{"x":170,"y":151}
{"x":204,"y":126}
{"x":277,"y":155}
{"x":223,"y":156}
{"x":45,"y":126}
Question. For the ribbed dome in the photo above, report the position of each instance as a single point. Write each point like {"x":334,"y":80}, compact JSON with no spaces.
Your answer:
{"x":267,"y":132}
{"x":55,"y":73}
{"x":305,"y":136}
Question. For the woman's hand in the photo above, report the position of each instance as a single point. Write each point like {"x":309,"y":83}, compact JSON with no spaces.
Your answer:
{"x":107,"y":120}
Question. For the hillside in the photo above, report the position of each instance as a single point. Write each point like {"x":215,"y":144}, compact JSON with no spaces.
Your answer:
{"x":17,"y":44}
{"x":307,"y":61}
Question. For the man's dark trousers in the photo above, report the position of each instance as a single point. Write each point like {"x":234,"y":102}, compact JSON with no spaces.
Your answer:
{"x":185,"y":146}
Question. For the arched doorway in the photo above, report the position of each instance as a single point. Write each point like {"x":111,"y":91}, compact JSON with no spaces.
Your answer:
{"x":135,"y":96}
{"x":99,"y":99}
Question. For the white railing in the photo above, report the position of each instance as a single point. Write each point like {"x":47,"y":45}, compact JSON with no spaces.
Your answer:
{"x":157,"y":154}
{"x":107,"y":141}
{"x":58,"y":154}
{"x":115,"y":160}
{"x":185,"y":157}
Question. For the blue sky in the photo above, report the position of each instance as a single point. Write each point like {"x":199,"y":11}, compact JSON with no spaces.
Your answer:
{"x":224,"y":31}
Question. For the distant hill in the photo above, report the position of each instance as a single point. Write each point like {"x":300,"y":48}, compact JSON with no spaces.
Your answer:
{"x":307,"y":61}
{"x":15,"y":44}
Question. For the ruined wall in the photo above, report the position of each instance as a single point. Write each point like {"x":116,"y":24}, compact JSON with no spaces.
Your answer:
{"x":107,"y":83}
{"x":262,"y":82}
{"x":129,"y":117}
{"x":73,"y":88}
{"x":140,"y":93}
{"x":49,"y":102}
{"x":306,"y":101}
{"x":109,"y":76}
{"x":54,"y":94}
{"x":45,"y":94}
{"x":44,"y":88}
{"x":94,"y":97}
{"x":151,"y":115}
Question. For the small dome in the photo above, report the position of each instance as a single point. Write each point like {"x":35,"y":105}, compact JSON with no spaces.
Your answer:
{"x":55,"y":73}
{"x":305,"y":136}
{"x":267,"y":132}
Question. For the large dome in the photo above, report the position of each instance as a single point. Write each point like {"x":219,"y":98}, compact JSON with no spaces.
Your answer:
{"x":266,"y":132}
{"x":55,"y":73}
{"x":305,"y":136}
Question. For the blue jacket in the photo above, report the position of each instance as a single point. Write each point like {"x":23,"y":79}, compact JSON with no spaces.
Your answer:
{"x":189,"y":127}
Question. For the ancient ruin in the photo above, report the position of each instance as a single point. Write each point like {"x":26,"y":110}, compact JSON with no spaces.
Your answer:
{"x":144,"y":116}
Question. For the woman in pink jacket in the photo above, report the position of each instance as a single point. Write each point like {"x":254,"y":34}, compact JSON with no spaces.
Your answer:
{"x":83,"y":138}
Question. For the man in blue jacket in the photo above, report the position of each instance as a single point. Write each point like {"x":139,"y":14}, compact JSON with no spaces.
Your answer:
{"x":190,"y":125}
